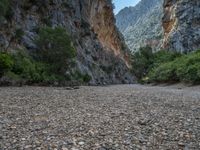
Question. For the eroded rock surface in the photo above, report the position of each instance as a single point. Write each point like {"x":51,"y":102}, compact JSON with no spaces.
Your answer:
{"x":181,"y":25}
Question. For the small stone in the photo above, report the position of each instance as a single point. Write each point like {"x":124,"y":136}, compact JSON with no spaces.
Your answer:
{"x":13,"y":127}
{"x":142,"y":122}
{"x":81,"y":143}
{"x":28,"y":146}
{"x":181,"y":144}
{"x":64,"y":148}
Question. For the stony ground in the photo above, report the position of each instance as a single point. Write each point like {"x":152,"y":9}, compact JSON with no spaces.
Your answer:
{"x":122,"y":117}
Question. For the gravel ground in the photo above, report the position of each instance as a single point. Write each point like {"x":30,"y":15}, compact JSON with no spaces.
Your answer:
{"x":121,"y":117}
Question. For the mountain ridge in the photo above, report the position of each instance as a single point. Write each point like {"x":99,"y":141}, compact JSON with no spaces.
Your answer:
{"x":141,"y":25}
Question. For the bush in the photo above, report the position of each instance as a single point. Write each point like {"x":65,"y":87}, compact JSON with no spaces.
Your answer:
{"x":23,"y":68}
{"x":78,"y":76}
{"x":164,"y":56}
{"x":32,"y":71}
{"x":184,"y":68}
{"x":6,"y":63}
{"x":152,"y":66}
{"x":27,"y":68}
{"x":55,"y":49}
{"x":188,"y":68}
{"x":86,"y":78}
{"x":163,"y":73}
{"x":4,"y":6}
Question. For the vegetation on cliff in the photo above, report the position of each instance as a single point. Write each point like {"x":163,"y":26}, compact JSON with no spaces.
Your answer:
{"x":4,"y":6}
{"x":48,"y":65}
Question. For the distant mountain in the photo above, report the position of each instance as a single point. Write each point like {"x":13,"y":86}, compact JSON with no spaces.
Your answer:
{"x":142,"y":25}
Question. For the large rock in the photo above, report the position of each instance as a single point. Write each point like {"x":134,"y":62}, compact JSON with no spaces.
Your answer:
{"x":181,"y":23}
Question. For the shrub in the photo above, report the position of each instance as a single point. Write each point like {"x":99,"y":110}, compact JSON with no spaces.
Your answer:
{"x":27,"y":68}
{"x":22,"y":67}
{"x":4,"y":6}
{"x":163,"y":73}
{"x":86,"y":78}
{"x":184,"y":68}
{"x":6,"y":63}
{"x":55,"y":49}
{"x":80,"y":77}
{"x":147,"y":65}
{"x":32,"y":71}
{"x":19,"y":33}
{"x":164,"y":56}
{"x":188,"y":68}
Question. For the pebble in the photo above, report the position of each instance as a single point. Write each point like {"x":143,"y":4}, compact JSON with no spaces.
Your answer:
{"x":120,"y":117}
{"x":81,"y":143}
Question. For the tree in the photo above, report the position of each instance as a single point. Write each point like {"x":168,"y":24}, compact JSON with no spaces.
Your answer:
{"x":55,"y":48}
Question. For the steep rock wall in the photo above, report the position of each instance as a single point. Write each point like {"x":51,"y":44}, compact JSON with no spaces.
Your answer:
{"x":100,"y":47}
{"x":181,"y":25}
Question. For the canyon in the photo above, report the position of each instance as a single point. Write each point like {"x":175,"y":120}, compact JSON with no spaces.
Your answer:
{"x":104,"y":117}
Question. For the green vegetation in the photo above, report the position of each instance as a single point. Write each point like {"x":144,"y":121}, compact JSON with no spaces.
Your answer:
{"x":55,"y":49}
{"x":6,"y":63}
{"x":49,"y":65}
{"x":185,"y":68}
{"x":4,"y":6}
{"x":142,"y":61}
{"x":19,"y":33}
{"x":5,"y":10}
{"x":79,"y":77}
{"x":166,"y":66}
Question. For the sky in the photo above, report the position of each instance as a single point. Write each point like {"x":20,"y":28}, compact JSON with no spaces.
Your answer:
{"x":120,"y":4}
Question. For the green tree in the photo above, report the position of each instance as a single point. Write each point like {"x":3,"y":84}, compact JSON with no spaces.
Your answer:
{"x":6,"y":63}
{"x":141,"y":61}
{"x":4,"y":7}
{"x":55,"y":48}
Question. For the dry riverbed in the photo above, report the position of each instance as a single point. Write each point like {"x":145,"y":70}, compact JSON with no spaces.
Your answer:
{"x":121,"y":117}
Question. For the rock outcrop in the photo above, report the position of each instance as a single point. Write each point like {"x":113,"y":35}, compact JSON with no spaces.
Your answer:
{"x":142,"y":25}
{"x":181,"y":23}
{"x":101,"y":50}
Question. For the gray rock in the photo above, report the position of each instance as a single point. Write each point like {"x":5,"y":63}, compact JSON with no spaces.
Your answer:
{"x":142,"y":25}
{"x":181,"y":25}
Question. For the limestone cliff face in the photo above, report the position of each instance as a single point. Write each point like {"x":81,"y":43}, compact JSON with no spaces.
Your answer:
{"x":181,"y":23}
{"x":102,"y":21}
{"x":100,"y":47}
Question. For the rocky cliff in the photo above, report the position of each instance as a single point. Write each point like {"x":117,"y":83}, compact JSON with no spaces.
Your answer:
{"x":142,"y":25}
{"x":181,"y":23}
{"x":100,"y":47}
